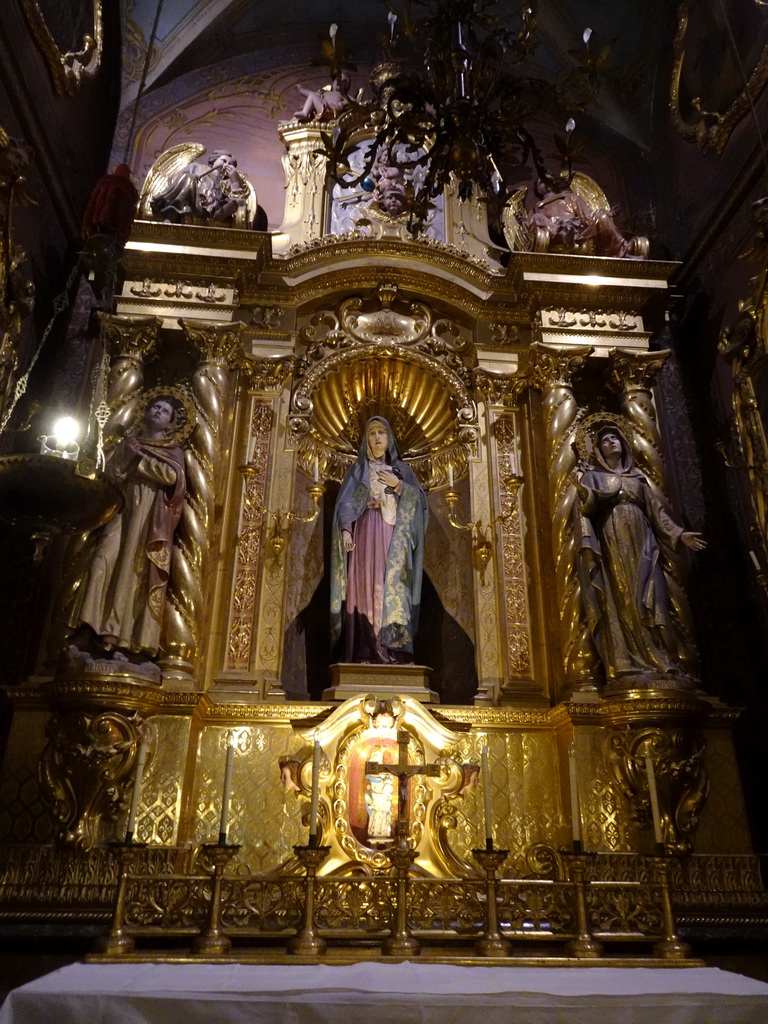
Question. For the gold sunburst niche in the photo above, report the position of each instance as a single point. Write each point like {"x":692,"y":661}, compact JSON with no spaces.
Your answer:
{"x":422,"y":413}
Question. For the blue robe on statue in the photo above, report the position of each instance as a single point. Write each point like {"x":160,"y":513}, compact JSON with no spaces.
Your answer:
{"x":376,"y":587}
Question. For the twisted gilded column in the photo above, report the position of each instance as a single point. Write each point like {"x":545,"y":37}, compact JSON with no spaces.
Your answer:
{"x":553,"y":370}
{"x":219,"y":348}
{"x":128,"y":340}
{"x":631,"y":375}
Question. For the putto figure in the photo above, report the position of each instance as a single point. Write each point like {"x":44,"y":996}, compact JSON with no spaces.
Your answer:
{"x":623,"y":530}
{"x":119,"y":606}
{"x":327,"y":103}
{"x":377,"y":553}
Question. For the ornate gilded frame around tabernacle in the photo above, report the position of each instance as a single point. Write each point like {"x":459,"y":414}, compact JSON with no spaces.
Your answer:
{"x":67,"y":69}
{"x":712,"y":136}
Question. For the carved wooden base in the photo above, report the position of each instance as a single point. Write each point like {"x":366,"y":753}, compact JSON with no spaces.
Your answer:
{"x":381,"y":680}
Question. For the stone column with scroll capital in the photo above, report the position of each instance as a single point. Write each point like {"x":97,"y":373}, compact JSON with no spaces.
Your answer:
{"x":553,"y":370}
{"x":219,"y":347}
{"x":128,"y":340}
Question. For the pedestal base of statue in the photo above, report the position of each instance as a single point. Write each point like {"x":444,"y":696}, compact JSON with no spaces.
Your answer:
{"x":349,"y":680}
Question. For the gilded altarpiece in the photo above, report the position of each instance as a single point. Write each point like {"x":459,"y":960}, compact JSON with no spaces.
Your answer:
{"x":399,"y":329}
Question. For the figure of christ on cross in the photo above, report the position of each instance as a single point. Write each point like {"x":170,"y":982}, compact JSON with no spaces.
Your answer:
{"x":402,"y":772}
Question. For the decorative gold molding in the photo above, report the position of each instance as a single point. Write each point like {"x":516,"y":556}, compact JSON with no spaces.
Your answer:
{"x":713,"y":128}
{"x":68,"y":70}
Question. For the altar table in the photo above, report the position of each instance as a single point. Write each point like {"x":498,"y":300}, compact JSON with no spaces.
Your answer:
{"x":384,"y":993}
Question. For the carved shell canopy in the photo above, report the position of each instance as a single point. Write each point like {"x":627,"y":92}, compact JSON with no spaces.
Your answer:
{"x":420,"y":410}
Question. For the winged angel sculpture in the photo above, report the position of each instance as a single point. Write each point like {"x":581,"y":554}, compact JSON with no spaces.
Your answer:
{"x":576,"y":218}
{"x":180,"y":188}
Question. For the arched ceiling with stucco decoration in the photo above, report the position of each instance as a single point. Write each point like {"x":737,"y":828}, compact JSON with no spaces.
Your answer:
{"x":224,"y":72}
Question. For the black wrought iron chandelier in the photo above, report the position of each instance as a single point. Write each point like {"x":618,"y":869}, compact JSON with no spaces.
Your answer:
{"x":453,"y":96}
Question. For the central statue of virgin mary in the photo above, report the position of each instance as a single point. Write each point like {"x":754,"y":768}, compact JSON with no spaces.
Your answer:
{"x":377,"y":553}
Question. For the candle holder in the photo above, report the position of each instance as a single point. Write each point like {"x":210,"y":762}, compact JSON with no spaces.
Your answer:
{"x":492,"y":943}
{"x":212,"y":941}
{"x":669,"y":946}
{"x":117,"y":941}
{"x":283,"y":520}
{"x":400,"y":941}
{"x":584,"y":946}
{"x":481,"y":543}
{"x":307,"y":942}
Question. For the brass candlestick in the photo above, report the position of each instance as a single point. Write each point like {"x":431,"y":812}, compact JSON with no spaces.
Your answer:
{"x":584,"y":946}
{"x":400,"y":941}
{"x":306,"y":942}
{"x":117,"y":941}
{"x":493,"y":942}
{"x":669,"y":946}
{"x":212,"y":941}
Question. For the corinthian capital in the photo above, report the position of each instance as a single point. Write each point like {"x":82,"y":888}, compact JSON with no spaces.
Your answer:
{"x":629,"y":370}
{"x":129,"y":337}
{"x":268,"y":373}
{"x":556,"y":366}
{"x":501,"y":388}
{"x":215,"y":341}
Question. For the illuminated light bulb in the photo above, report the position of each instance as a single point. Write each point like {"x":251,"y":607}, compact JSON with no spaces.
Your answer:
{"x":66,"y":431}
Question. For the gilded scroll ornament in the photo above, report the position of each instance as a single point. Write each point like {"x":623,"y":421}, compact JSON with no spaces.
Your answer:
{"x":85,"y":767}
{"x":68,"y":70}
{"x":711,"y":128}
{"x":680,"y":777}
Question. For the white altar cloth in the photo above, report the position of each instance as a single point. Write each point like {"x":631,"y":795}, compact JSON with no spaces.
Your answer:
{"x":385,"y":993}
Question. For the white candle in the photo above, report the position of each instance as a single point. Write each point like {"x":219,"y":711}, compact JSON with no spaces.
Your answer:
{"x":228,"y":769}
{"x":141,"y":760}
{"x":755,"y":562}
{"x":654,"y":795}
{"x":450,"y":475}
{"x":315,"y":788}
{"x":486,"y":793}
{"x":316,"y":470}
{"x":575,"y":809}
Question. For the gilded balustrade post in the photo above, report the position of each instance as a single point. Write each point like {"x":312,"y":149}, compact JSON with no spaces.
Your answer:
{"x":220,"y":351}
{"x":631,"y":374}
{"x":553,"y":372}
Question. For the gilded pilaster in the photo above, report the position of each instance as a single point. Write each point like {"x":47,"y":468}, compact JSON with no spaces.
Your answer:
{"x":220,"y":351}
{"x":266,"y":377}
{"x":488,"y":613}
{"x":280,"y":493}
{"x":554,"y":369}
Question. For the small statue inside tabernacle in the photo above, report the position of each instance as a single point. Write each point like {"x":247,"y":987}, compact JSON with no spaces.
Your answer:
{"x":623,"y":532}
{"x":119,"y":605}
{"x":327,"y":103}
{"x":377,"y":553}
{"x":379,"y":795}
{"x":572,"y":218}
{"x":213,"y":191}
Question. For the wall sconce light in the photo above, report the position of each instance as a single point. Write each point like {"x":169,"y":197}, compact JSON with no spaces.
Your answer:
{"x":283,"y":519}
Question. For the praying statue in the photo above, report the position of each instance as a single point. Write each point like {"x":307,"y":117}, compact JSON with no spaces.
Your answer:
{"x":623,"y":533}
{"x":119,"y":605}
{"x":377,"y":553}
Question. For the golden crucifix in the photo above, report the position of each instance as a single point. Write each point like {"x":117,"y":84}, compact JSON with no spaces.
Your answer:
{"x":403,"y":772}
